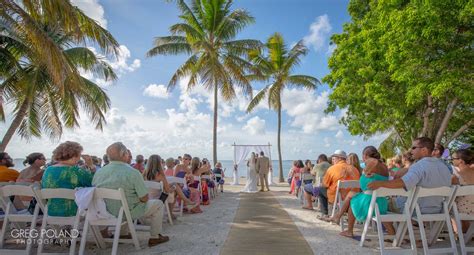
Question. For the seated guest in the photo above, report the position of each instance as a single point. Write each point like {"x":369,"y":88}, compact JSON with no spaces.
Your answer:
{"x":219,"y":180}
{"x":119,"y":174}
{"x":318,"y":171}
{"x":96,"y":162}
{"x":182,"y":169}
{"x":296,"y":181}
{"x":65,"y":174}
{"x":169,"y":167}
{"x":353,"y":160}
{"x":105,"y":160}
{"x":193,"y":179}
{"x":34,"y":171}
{"x":139,"y":163}
{"x":462,"y":160}
{"x":340,"y":171}
{"x":7,"y":174}
{"x":438,"y":153}
{"x":427,"y":172}
{"x":154,"y":172}
{"x":360,"y":202}
{"x":291,"y":176}
{"x":407,"y":161}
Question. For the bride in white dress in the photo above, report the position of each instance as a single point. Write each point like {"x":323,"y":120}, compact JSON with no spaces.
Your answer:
{"x":251,"y":185}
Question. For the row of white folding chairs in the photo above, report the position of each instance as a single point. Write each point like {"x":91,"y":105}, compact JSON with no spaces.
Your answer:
{"x":44,"y":195}
{"x":437,"y":221}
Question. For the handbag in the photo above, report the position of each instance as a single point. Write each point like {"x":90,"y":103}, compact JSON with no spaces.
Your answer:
{"x":289,"y":180}
{"x":163,"y":197}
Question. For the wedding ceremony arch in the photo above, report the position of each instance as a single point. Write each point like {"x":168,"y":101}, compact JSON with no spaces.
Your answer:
{"x":242,"y":154}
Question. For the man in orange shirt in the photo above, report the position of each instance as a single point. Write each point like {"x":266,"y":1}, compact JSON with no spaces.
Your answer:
{"x":6,"y":173}
{"x":339,"y":171}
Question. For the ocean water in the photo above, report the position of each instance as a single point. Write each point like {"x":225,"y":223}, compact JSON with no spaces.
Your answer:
{"x":228,"y":166}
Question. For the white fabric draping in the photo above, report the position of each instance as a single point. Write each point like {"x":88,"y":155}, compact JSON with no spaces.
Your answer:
{"x":242,"y":153}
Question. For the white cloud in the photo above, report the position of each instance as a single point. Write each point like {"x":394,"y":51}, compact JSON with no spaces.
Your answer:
{"x":255,"y":126}
{"x":140,"y":110}
{"x":353,"y":142}
{"x":307,"y":110}
{"x":339,"y":134}
{"x":120,"y":63}
{"x":331,"y":49}
{"x":318,"y":32}
{"x":93,"y":9}
{"x":158,"y":91}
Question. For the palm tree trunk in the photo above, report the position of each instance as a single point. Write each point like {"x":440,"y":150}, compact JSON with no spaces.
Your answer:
{"x":280,"y":162}
{"x":214,"y":131}
{"x":14,"y":126}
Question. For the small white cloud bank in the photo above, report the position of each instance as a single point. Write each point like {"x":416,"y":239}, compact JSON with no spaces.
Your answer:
{"x":156,"y":91}
{"x":255,"y":126}
{"x":318,"y":32}
{"x":93,"y":9}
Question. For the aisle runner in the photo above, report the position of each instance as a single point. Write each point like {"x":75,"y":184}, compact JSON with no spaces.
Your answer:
{"x":261,"y":226}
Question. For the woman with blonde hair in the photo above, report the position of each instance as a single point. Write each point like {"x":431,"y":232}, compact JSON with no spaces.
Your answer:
{"x":154,"y":172}
{"x":353,"y":159}
{"x":198,"y":169}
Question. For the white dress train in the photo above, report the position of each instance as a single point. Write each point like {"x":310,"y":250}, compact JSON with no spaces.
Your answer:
{"x":251,"y":185}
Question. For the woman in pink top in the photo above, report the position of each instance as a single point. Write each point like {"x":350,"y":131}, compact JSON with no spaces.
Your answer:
{"x":169,"y":167}
{"x":297,"y":168}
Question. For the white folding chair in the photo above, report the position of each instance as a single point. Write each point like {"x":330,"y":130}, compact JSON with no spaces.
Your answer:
{"x":43,"y":197}
{"x":177,"y":180}
{"x":110,"y":194}
{"x":458,"y":217}
{"x":338,"y":202}
{"x":404,"y":217}
{"x":447,"y":193}
{"x":152,"y":185}
{"x":12,"y":217}
{"x":198,"y":178}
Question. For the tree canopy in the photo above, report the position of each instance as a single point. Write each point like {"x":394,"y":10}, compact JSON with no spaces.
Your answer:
{"x":405,"y":67}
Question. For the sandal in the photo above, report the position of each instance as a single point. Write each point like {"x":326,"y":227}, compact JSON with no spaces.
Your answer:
{"x":308,"y":208}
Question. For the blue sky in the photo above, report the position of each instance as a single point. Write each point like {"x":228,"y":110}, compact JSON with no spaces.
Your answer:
{"x":149,"y":120}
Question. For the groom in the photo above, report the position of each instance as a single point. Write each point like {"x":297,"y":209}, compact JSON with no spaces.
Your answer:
{"x":263,"y":167}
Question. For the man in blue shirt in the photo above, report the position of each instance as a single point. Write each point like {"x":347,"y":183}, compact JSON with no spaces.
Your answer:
{"x":427,"y":172}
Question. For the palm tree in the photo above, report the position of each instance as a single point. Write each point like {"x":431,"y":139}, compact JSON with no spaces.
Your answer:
{"x":22,"y":17}
{"x":276,"y":68}
{"x":40,"y":104}
{"x":206,"y":33}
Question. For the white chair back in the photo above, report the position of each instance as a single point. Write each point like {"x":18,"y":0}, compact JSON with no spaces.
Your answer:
{"x":112,"y":194}
{"x":159,"y":186}
{"x":404,"y":218}
{"x":447,"y":193}
{"x":11,"y":216}
{"x":458,"y":217}
{"x":42,"y":196}
{"x":342,"y":184}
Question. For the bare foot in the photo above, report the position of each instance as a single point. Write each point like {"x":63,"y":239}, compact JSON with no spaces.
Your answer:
{"x":346,"y":234}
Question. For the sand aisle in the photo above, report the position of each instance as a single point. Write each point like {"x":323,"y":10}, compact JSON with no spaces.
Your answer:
{"x":262,"y":226}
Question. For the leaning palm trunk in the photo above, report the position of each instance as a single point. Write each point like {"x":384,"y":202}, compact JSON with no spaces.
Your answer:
{"x":14,"y":126}
{"x":214,"y":130}
{"x":280,"y":162}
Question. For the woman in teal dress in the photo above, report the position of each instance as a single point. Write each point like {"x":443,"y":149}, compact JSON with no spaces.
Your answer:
{"x":375,"y":170}
{"x":65,"y":174}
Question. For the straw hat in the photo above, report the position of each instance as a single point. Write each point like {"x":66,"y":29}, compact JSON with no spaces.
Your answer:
{"x":339,"y":154}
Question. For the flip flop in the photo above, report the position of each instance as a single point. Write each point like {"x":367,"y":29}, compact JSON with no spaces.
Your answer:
{"x":308,"y":208}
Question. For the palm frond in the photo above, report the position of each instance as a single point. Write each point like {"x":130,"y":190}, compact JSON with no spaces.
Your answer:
{"x":257,"y":99}
{"x":305,"y":81}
